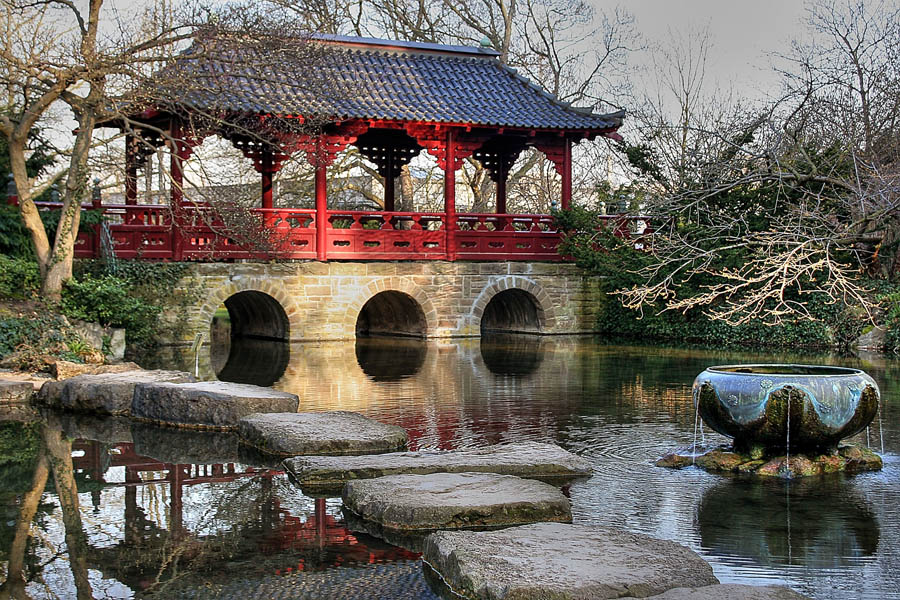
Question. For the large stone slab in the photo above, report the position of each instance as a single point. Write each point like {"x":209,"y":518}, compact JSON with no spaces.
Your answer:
{"x":104,"y":393}
{"x":454,"y":501}
{"x":732,"y":591}
{"x":532,"y":460}
{"x":561,"y":561}
{"x":336,"y":432}
{"x":208,"y":404}
{"x":15,"y":392}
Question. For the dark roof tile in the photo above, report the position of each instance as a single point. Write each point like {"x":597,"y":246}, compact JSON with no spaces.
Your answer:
{"x":378,"y":79}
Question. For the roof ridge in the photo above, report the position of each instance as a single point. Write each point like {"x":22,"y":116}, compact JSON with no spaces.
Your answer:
{"x":347,"y":40}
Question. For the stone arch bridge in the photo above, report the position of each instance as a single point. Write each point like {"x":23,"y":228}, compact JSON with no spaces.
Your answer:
{"x":306,"y":301}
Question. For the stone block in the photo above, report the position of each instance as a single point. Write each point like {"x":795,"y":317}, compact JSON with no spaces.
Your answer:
{"x":209,"y":404}
{"x":732,"y":591}
{"x":561,"y":561}
{"x":337,"y":432}
{"x":531,"y":460}
{"x":12,"y":392}
{"x":103,"y":393}
{"x":454,"y":501}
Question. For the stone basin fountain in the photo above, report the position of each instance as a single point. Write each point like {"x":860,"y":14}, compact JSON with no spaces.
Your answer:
{"x":784,"y":419}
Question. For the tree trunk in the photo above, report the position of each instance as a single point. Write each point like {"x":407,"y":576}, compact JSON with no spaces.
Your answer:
{"x":60,"y":450}
{"x":407,"y":201}
{"x":14,"y":586}
{"x":60,"y":267}
{"x":30,"y":216}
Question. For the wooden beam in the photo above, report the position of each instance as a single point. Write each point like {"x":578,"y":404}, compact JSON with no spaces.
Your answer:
{"x":321,"y":211}
{"x":131,"y":158}
{"x":450,"y":194}
{"x":567,"y":174}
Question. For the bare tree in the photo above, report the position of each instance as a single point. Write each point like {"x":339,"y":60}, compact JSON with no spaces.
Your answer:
{"x":773,"y":206}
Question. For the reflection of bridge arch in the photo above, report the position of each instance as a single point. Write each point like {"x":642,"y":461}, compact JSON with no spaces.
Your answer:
{"x":514,"y":304}
{"x":258,"y":308}
{"x":390,"y":306}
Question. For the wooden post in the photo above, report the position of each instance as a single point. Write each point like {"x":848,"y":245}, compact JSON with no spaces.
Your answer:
{"x":267,"y":169}
{"x":567,"y":174}
{"x":450,"y":195}
{"x":389,"y":180}
{"x":12,"y":194}
{"x":502,"y":175}
{"x":177,"y":194}
{"x":131,"y":158}
{"x":321,"y":209}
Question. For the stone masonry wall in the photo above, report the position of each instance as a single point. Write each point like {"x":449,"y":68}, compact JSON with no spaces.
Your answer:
{"x":322,"y":301}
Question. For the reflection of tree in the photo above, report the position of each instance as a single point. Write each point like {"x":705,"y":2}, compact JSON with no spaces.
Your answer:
{"x":59,"y":451}
{"x":14,"y":586}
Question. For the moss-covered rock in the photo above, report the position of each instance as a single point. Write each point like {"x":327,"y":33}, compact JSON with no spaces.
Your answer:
{"x":719,"y":460}
{"x":674,"y":461}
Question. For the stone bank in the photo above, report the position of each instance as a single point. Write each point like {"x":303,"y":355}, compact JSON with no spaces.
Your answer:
{"x":305,"y":301}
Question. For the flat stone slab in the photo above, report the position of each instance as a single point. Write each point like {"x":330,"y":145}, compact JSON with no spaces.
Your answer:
{"x":337,"y":432}
{"x":732,"y":591}
{"x":207,"y":404}
{"x":531,"y":460}
{"x":454,"y":501}
{"x":15,"y":392}
{"x":104,"y":393}
{"x":562,"y":561}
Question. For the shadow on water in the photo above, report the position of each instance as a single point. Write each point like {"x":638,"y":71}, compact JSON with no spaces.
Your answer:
{"x":819,"y":523}
{"x":390,"y":358}
{"x":249,"y":360}
{"x":511,"y":353}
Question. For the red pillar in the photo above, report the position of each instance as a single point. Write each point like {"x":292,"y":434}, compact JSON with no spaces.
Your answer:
{"x":567,"y":174}
{"x":389,"y":193}
{"x":131,"y":158}
{"x":177,"y":195}
{"x":321,"y":210}
{"x":267,"y":169}
{"x":502,"y":175}
{"x":450,"y":195}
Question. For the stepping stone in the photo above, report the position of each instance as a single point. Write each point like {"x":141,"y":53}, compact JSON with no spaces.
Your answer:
{"x":561,"y":561}
{"x":15,"y":392}
{"x":100,"y":428}
{"x":337,"y":432}
{"x":103,"y":393}
{"x":733,"y":591}
{"x":531,"y":460}
{"x":454,"y":501}
{"x":207,"y":404}
{"x":185,"y":446}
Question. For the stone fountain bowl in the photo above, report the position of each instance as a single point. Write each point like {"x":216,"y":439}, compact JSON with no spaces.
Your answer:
{"x":798,"y":407}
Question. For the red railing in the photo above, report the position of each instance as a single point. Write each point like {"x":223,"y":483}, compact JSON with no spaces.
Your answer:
{"x":196,"y":233}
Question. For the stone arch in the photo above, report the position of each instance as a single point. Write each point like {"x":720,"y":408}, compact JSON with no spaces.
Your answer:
{"x":394,"y":293}
{"x":513,"y":304}
{"x":261,"y":308}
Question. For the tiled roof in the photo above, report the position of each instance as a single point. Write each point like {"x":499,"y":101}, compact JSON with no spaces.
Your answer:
{"x":376,"y":80}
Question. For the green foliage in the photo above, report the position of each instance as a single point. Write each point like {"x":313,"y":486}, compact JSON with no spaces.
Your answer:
{"x":617,"y":264}
{"x":108,"y":300}
{"x":15,"y":239}
{"x":889,"y":297}
{"x":19,"y":278}
{"x":132,"y":296}
{"x":38,"y":336}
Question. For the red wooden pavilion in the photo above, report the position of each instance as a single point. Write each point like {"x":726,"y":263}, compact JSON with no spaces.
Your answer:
{"x":390,"y":99}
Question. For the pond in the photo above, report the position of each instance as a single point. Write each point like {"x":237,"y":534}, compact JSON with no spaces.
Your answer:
{"x":175,"y":514}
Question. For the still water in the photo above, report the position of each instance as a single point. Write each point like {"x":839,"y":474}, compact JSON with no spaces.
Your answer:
{"x":172,"y":514}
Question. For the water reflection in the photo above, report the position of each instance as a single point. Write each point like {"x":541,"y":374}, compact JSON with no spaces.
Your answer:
{"x":250,"y":360}
{"x":820,"y":523}
{"x":157,"y":502}
{"x":510,"y":353}
{"x":390,"y":359}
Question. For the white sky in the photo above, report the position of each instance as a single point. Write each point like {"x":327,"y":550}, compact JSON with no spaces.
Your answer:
{"x":743,"y":33}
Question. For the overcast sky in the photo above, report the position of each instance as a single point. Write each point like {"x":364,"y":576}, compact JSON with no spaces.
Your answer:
{"x":743,"y":33}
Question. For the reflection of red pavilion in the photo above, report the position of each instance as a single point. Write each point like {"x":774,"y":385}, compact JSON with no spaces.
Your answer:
{"x":321,"y":541}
